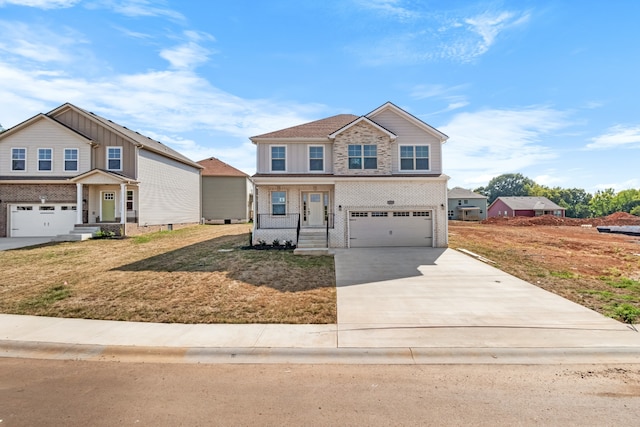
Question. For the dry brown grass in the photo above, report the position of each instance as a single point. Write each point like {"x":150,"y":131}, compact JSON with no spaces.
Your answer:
{"x":172,"y":277}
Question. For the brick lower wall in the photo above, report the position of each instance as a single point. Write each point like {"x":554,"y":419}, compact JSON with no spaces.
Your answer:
{"x":31,"y":193}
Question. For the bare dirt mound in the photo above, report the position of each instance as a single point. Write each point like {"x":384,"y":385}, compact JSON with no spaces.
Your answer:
{"x":617,"y":218}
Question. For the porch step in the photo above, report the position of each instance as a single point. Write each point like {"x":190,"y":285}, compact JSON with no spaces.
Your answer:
{"x":78,"y":233}
{"x":312,"y":239}
{"x":312,"y":251}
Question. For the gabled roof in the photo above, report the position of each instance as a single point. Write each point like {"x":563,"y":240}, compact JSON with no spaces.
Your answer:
{"x":366,"y":120}
{"x":522,"y":203}
{"x":316,"y":129}
{"x":410,"y":117}
{"x":216,"y":167}
{"x":101,"y":176}
{"x":133,"y":136}
{"x":463,"y":193}
{"x":39,"y":117}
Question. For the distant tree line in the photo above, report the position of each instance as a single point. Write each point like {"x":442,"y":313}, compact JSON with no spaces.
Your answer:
{"x":577,"y":202}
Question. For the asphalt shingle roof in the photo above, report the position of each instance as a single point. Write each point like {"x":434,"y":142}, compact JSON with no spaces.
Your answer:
{"x":317,"y":129}
{"x":216,"y":167}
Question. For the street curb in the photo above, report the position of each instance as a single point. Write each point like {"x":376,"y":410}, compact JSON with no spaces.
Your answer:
{"x":331,"y":356}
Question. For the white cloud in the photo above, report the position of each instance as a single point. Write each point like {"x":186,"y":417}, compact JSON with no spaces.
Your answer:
{"x":190,"y":54}
{"x":44,"y":45}
{"x":389,"y":8}
{"x":488,"y":143}
{"x":448,"y":95}
{"x":617,"y":137}
{"x":137,"y":8}
{"x":489,"y":25}
{"x":41,"y":4}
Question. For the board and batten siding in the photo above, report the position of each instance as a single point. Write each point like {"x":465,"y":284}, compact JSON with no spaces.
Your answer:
{"x":169,"y":191}
{"x":409,"y":133}
{"x":44,"y":134}
{"x":104,"y":137}
{"x":297,"y":156}
{"x":225,"y":197}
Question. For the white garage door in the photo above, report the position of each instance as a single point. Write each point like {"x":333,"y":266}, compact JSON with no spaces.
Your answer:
{"x":390,"y":228}
{"x":41,"y":220}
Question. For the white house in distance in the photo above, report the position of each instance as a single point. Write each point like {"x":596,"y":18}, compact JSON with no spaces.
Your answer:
{"x":227,"y":193}
{"x":465,"y":205}
{"x":352,"y":181}
{"x":70,"y":167}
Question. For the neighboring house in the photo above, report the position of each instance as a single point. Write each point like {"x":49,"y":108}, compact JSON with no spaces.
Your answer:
{"x":227,"y":193}
{"x":465,"y":205}
{"x":524,"y":206}
{"x":70,"y":167}
{"x":372,"y":180}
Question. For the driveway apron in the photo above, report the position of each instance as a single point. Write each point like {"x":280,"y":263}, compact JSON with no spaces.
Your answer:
{"x":417,"y":297}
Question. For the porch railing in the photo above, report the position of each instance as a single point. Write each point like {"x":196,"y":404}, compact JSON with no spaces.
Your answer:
{"x":288,"y":221}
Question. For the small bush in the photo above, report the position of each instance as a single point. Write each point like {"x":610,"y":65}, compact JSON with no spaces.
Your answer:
{"x":626,"y":312}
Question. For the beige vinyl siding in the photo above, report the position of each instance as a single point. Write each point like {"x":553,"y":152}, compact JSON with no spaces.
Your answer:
{"x":225,"y":197}
{"x":297,"y":157}
{"x":169,"y":191}
{"x":410,"y":134}
{"x":44,"y":134}
{"x":104,"y":137}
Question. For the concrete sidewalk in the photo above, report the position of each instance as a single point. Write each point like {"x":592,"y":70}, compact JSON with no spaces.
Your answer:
{"x":395,"y":306}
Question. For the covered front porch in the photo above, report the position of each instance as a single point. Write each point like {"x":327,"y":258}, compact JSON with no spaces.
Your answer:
{"x":111,"y":202}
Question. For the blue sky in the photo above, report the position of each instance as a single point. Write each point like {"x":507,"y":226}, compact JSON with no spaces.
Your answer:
{"x":546,"y":88}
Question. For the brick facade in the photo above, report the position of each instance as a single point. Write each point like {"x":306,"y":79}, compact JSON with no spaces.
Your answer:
{"x":31,"y":193}
{"x":365,"y":134}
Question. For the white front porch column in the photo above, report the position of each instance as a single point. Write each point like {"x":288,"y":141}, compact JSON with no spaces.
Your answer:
{"x":79,"y":205}
{"x":123,"y":203}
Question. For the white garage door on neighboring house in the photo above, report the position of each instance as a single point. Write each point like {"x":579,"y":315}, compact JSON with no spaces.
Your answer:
{"x":390,"y":228}
{"x":41,"y":220}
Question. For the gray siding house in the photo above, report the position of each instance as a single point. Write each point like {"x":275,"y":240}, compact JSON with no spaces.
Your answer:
{"x":465,"y":205}
{"x":227,"y":193}
{"x":352,"y":181}
{"x":71,"y":167}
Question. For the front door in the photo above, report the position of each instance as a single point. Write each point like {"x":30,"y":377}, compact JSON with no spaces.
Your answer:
{"x":108,"y":213}
{"x":315,"y":210}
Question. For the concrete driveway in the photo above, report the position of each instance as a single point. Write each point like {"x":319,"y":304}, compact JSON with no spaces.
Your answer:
{"x":417,"y":297}
{"x":7,"y":243}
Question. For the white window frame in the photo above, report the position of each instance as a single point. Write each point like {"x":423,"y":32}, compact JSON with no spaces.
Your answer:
{"x":50,"y":160}
{"x":107,"y":157}
{"x":309,"y":158}
{"x":362,"y":156}
{"x":273,"y":204}
{"x":132,"y":200}
{"x":413,"y":158}
{"x":24,"y":160}
{"x":64,"y":159}
{"x":271,"y":147}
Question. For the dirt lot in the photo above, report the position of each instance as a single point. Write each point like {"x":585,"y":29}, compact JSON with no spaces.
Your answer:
{"x":566,"y":256}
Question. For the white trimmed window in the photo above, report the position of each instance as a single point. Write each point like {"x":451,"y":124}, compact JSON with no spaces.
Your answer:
{"x":71,"y":159}
{"x":414,"y":157}
{"x":129,"y":200}
{"x":114,"y":158}
{"x":363,"y":156}
{"x":278,"y":203}
{"x":18,"y":159}
{"x":45,"y":156}
{"x":316,"y":158}
{"x":278,"y":158}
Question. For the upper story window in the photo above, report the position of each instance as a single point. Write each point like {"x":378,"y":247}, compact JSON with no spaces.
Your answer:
{"x":316,"y":159}
{"x":278,"y":202}
{"x":278,"y":158}
{"x":363,"y":156}
{"x":114,"y":158}
{"x":44,"y":159}
{"x":70,"y":159}
{"x":18,"y":159}
{"x":414,"y":157}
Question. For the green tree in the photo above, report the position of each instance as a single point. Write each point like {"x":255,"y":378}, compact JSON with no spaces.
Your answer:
{"x":601,"y":203}
{"x":508,"y":184}
{"x":626,"y":200}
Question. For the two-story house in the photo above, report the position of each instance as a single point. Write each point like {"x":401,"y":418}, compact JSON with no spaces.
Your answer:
{"x":465,"y":205}
{"x":71,"y":167}
{"x":373,"y":180}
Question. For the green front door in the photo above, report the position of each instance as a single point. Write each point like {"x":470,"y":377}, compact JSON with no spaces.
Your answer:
{"x":108,"y":213}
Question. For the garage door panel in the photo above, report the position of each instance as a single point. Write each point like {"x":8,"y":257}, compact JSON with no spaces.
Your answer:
{"x":38,"y":220}
{"x":390,"y":228}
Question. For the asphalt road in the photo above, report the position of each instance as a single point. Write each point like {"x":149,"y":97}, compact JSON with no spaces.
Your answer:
{"x":80,"y":393}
